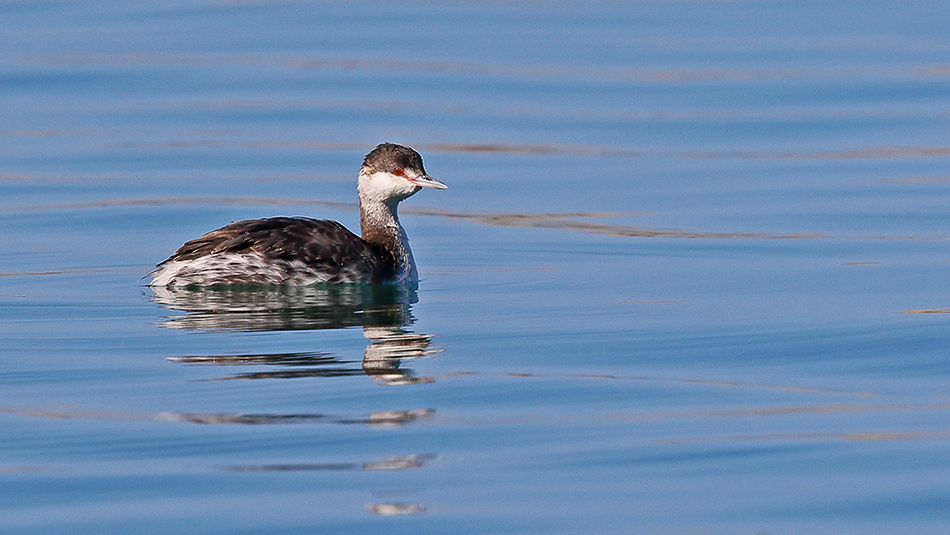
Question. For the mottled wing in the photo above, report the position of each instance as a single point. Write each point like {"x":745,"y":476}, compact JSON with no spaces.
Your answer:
{"x":324,"y":246}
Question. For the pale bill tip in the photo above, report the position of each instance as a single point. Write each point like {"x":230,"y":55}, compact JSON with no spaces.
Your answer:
{"x":429,"y":182}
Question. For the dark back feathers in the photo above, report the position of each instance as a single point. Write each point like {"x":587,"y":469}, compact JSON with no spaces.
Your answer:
{"x":321,"y":244}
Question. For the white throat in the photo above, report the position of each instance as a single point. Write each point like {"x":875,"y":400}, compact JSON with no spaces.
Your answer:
{"x":379,"y":195}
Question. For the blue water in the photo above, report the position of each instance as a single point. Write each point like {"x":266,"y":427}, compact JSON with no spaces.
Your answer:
{"x":688,"y":277}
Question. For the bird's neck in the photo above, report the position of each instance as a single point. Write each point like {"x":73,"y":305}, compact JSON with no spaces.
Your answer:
{"x":379,"y":225}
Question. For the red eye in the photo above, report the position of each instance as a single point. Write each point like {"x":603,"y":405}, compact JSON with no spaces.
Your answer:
{"x":399,"y":172}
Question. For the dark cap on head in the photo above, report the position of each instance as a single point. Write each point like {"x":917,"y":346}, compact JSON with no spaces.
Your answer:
{"x":388,"y":155}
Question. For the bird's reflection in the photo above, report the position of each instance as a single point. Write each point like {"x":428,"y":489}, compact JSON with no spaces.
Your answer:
{"x":381,"y":418}
{"x":254,"y":309}
{"x":384,"y":313}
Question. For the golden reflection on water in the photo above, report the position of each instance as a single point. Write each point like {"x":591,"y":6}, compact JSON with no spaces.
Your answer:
{"x":577,"y":221}
{"x":293,"y":61}
{"x":40,"y":273}
{"x":628,"y":417}
{"x":399,"y":418}
{"x":782,"y":437}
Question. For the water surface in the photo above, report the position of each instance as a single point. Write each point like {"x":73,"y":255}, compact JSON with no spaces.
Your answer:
{"x":688,"y":277}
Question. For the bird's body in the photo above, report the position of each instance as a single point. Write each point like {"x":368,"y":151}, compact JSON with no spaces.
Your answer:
{"x":299,"y":251}
{"x":286,"y":251}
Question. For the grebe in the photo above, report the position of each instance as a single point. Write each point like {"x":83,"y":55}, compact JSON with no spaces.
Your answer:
{"x":299,"y":251}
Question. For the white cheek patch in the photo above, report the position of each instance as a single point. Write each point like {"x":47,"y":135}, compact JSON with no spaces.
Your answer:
{"x":385,"y":187}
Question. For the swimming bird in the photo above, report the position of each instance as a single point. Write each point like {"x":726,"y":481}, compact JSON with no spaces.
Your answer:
{"x":300,"y":251}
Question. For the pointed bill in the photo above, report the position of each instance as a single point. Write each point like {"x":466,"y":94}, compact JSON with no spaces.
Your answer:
{"x":427,"y":181}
